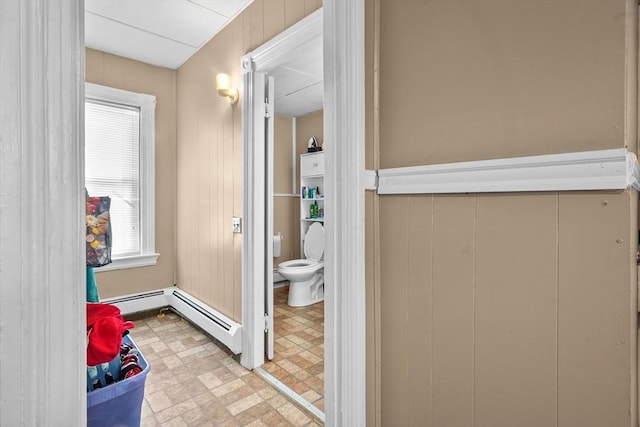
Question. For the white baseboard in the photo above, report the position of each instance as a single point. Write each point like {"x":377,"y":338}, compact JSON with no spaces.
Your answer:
{"x":137,"y":303}
{"x":210,"y":320}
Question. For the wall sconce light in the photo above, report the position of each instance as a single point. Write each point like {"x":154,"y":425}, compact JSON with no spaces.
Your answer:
{"x":223,"y":85}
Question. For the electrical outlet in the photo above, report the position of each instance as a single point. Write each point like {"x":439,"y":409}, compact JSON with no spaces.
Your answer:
{"x":237,"y":224}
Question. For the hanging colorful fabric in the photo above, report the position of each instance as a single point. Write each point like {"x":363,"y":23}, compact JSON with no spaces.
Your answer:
{"x":98,"y":231}
{"x":105,"y":329}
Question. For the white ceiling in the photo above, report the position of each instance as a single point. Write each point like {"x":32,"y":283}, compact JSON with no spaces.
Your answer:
{"x":299,"y":88}
{"x":159,"y":32}
{"x":166,"y":33}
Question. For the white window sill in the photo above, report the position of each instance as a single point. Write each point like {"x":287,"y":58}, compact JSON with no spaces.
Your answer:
{"x":130,"y":262}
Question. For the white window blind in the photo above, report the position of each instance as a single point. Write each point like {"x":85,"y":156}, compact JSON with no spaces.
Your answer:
{"x":112,"y":168}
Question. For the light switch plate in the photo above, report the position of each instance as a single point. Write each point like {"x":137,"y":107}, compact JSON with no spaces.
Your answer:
{"x":237,"y":224}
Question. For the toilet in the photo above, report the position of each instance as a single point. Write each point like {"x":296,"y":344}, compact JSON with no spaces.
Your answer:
{"x":306,"y":276}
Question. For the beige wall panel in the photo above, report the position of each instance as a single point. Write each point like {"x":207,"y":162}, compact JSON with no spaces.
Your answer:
{"x":453,"y":308}
{"x":208,"y":167}
{"x":372,"y":306}
{"x":94,"y":65}
{"x":286,"y":220}
{"x":464,"y":80}
{"x":633,"y":287}
{"x":369,"y":56}
{"x":121,"y":73}
{"x":419,"y":311}
{"x":311,"y":6}
{"x":394,"y":294}
{"x":229,"y":195}
{"x":209,"y":157}
{"x":293,"y":12}
{"x":515,"y":310}
{"x":204,"y":206}
{"x":282,"y":155}
{"x":256,"y":10}
{"x":238,"y":45}
{"x":273,"y":18}
{"x":597,"y":310}
{"x":186,"y":154}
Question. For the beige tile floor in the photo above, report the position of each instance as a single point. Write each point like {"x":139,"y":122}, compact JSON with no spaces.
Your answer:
{"x":299,"y":348}
{"x":194,"y":381}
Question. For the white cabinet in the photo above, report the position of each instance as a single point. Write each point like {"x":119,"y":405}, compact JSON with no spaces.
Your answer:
{"x":311,"y":192}
{"x":312,"y":164}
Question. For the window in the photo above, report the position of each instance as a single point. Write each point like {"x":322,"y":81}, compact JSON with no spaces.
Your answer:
{"x":120,"y":163}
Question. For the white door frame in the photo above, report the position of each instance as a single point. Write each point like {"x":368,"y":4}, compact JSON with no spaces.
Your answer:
{"x":342,"y":23}
{"x":254,"y":256}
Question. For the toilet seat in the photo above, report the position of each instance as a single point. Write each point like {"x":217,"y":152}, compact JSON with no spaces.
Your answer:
{"x":297,"y":263}
{"x":314,"y":242}
{"x":300,"y":266}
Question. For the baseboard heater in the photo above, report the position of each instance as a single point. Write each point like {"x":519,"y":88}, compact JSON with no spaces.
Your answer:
{"x":277,"y":277}
{"x":211,"y":321}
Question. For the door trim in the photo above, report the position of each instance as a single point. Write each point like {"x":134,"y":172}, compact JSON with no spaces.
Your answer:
{"x":345,"y":375}
{"x":344,"y":135}
{"x":254,"y":251}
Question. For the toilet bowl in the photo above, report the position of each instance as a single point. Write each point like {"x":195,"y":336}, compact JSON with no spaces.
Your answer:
{"x":306,"y":276}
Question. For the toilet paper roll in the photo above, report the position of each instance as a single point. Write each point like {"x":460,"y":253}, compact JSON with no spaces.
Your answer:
{"x":277,"y":245}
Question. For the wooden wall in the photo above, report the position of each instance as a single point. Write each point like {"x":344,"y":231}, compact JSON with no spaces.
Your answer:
{"x":209,"y":155}
{"x":121,"y":73}
{"x":501,"y":309}
{"x":286,"y":205}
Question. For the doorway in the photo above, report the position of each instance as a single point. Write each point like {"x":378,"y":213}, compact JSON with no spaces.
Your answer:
{"x":343,"y":57}
{"x":287,"y":72}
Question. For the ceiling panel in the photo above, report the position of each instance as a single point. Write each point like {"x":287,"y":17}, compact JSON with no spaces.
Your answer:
{"x":301,"y":102}
{"x":178,"y":20}
{"x":307,"y":59}
{"x":175,"y":29}
{"x":288,"y":80}
{"x":120,"y":39}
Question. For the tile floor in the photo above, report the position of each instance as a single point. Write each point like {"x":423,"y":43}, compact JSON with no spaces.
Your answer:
{"x":299,"y":348}
{"x":196,"y":382}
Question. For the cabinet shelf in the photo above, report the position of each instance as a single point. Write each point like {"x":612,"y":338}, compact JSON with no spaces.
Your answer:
{"x":311,"y":176}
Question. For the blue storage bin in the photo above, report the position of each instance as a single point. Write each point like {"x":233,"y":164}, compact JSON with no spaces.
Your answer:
{"x":101,"y":372}
{"x":119,"y":404}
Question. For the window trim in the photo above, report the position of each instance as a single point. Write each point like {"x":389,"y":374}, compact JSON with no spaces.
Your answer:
{"x":147,"y":105}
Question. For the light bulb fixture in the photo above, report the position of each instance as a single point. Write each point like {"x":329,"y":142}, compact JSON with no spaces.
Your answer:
{"x":223,"y":86}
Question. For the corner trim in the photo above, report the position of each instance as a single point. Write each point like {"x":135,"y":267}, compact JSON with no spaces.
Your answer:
{"x":344,"y":135}
{"x":613,"y":169}
{"x":633,"y":171}
{"x":370,"y":179}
